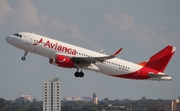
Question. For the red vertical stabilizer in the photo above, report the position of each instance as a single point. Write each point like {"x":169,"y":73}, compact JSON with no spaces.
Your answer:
{"x":160,"y":60}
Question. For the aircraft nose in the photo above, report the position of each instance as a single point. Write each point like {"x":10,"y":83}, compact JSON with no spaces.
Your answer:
{"x":7,"y":39}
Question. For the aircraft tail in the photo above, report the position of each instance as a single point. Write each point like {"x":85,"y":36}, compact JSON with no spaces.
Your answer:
{"x":160,"y":60}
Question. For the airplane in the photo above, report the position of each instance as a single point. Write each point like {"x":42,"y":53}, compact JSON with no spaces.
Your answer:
{"x":65,"y":55}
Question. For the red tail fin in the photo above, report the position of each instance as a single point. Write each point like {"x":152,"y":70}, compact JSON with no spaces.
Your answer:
{"x":160,"y":60}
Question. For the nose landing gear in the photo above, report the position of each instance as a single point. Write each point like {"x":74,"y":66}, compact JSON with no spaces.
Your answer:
{"x":24,"y":57}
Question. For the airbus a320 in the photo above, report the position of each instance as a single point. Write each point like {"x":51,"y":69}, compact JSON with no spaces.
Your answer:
{"x":66,"y":55}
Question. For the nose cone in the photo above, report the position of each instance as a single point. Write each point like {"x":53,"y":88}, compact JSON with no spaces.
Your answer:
{"x":8,"y":39}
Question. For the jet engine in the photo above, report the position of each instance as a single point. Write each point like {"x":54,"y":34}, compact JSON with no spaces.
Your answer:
{"x":62,"y":61}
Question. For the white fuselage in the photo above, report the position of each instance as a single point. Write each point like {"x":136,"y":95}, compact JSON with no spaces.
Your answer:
{"x":49,"y":48}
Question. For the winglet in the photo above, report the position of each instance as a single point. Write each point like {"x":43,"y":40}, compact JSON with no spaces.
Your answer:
{"x":117,"y":52}
{"x":101,"y":51}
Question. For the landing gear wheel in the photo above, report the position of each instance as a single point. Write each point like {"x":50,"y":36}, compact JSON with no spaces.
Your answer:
{"x":76,"y":74}
{"x":23,"y":58}
{"x":81,"y":74}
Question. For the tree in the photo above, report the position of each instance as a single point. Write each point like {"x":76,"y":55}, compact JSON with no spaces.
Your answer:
{"x":143,"y":98}
{"x":106,"y":99}
{"x":2,"y":103}
{"x":34,"y":100}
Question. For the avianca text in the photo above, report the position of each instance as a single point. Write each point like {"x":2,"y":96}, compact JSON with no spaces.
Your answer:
{"x":58,"y":47}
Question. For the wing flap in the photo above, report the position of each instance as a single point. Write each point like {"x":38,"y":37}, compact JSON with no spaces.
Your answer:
{"x":89,"y":60}
{"x":93,"y":59}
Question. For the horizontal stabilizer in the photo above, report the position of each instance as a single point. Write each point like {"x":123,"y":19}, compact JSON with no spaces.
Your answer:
{"x":156,"y":75}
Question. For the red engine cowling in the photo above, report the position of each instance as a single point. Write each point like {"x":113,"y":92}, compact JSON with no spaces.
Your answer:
{"x":64,"y":61}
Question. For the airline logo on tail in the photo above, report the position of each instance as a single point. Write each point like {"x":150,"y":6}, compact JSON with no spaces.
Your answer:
{"x":154,"y":67}
{"x":160,"y":60}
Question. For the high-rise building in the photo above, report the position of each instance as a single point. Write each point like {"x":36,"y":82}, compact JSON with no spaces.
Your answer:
{"x":172,"y":106}
{"x":51,"y":95}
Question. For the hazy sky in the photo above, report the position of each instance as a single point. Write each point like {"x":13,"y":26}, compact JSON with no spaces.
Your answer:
{"x":140,"y":27}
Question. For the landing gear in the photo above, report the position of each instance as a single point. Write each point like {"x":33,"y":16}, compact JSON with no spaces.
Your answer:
{"x":24,"y":57}
{"x":79,"y":74}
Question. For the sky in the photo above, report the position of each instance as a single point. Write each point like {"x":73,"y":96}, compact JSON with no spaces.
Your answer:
{"x":140,"y":27}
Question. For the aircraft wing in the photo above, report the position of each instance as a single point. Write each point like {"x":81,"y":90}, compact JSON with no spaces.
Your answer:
{"x":91,"y":59}
{"x":94,"y":59}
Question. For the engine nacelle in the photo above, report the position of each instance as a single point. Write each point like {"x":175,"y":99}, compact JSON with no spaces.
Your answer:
{"x":62,"y":61}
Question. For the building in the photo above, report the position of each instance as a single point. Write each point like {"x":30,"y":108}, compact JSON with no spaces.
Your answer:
{"x":172,"y":106}
{"x":51,"y":95}
{"x":95,"y":99}
{"x":87,"y":98}
{"x":24,"y":98}
{"x":69,"y":98}
{"x":76,"y":98}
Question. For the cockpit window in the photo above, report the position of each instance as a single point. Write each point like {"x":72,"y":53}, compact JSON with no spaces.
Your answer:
{"x":18,"y":35}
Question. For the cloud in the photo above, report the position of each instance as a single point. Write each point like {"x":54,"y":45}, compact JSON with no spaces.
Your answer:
{"x":74,"y":32}
{"x":67,"y":29}
{"x":142,"y":32}
{"x":124,"y":23}
{"x":170,"y":38}
{"x":5,"y":11}
{"x":121,"y":22}
{"x":28,"y":11}
{"x":25,"y":17}
{"x":53,"y":22}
